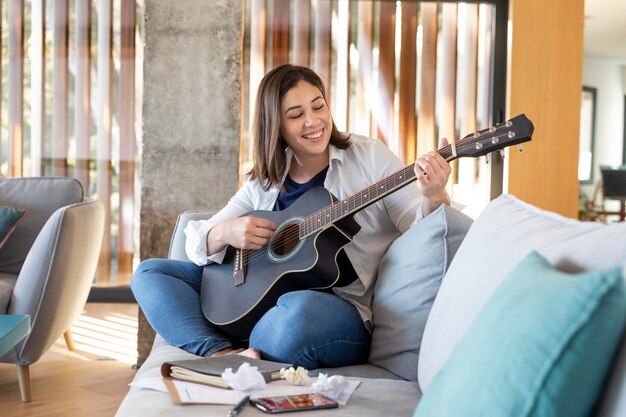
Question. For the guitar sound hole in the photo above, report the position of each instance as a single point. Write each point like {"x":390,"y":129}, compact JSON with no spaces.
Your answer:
{"x":285,"y":240}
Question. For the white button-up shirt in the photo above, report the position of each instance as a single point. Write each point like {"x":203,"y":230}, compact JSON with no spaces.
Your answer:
{"x":350,"y":170}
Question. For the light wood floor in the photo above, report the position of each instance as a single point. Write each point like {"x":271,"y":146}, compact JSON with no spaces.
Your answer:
{"x":90,"y":381}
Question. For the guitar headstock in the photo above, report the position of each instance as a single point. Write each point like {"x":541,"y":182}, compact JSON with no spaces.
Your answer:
{"x":511,"y":132}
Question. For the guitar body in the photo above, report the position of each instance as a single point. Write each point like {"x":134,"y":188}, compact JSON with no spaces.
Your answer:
{"x":286,"y":264}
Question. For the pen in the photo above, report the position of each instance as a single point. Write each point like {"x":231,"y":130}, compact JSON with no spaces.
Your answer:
{"x":238,"y":407}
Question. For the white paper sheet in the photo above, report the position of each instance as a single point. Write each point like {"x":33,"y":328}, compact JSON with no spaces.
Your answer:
{"x":192,"y":393}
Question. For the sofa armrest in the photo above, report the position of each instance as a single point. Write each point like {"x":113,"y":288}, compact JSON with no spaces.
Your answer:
{"x":177,"y":244}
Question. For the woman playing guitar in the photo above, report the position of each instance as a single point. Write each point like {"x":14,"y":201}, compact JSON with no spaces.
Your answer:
{"x":297,"y":147}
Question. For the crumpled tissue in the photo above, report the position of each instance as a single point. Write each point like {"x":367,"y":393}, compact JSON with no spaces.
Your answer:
{"x":245,"y":379}
{"x":331,"y":387}
{"x":299,"y":376}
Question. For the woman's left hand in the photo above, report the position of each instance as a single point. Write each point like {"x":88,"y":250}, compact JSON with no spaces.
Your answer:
{"x":432,"y":173}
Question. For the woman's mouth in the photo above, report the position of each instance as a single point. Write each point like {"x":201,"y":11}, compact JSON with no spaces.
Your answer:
{"x":314,"y":136}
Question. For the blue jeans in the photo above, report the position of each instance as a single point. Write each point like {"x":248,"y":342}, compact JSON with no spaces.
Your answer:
{"x":307,"y":328}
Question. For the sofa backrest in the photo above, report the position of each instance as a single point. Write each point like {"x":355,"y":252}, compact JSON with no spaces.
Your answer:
{"x":177,"y":244}
{"x":40,"y":196}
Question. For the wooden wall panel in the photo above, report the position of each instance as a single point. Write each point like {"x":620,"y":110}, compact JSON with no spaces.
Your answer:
{"x":340,"y":99}
{"x":37,"y":91}
{"x":128,"y":143}
{"x":104,"y":167}
{"x":365,"y":46}
{"x":407,"y":84}
{"x":258,"y":44}
{"x":60,"y":91}
{"x":545,"y":82}
{"x":301,"y":32}
{"x":82,"y":93}
{"x":447,"y":123}
{"x":384,"y":113}
{"x":426,"y":117}
{"x":280,"y":33}
{"x":323,"y":47}
{"x":16,"y":86}
{"x":466,"y":83}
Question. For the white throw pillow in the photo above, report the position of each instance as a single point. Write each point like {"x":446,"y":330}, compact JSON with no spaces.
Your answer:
{"x":504,"y":233}
{"x":409,"y":277}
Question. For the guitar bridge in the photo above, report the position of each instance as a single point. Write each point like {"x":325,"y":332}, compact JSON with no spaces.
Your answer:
{"x":239,"y":272}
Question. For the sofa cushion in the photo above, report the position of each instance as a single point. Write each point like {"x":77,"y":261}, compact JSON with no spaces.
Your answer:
{"x":40,"y":196}
{"x":409,"y":277}
{"x":400,"y":396}
{"x":501,"y":236}
{"x":9,"y":216}
{"x":7,"y":283}
{"x":541,"y":346}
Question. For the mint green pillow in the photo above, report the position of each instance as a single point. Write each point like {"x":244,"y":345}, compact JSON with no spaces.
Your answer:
{"x":541,"y":346}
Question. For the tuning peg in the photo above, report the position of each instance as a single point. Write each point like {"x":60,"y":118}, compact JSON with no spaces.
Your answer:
{"x":502,"y":153}
{"x":520,"y":148}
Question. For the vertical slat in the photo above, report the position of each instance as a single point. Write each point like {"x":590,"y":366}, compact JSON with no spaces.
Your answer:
{"x":386,"y":77}
{"x":60,"y":93}
{"x":485,"y":52}
{"x":468,"y":23}
{"x":407,"y":83}
{"x":280,"y":32}
{"x":342,"y":95}
{"x":426,"y":119}
{"x":323,"y":39}
{"x":301,"y":32}
{"x":365,"y":41}
{"x":482,"y":188}
{"x":104,"y":168}
{"x":16,"y":86}
{"x":258,"y":27}
{"x":447,"y":117}
{"x":82,"y":93}
{"x":125,"y":246}
{"x":37,"y":91}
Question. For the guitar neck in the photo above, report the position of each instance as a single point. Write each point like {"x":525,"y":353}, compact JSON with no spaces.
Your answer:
{"x":514,"y":131}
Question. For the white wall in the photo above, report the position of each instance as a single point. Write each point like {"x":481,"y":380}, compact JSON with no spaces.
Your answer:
{"x":606,"y":76}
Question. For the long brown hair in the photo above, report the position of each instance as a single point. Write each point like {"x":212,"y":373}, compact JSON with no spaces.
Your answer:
{"x":268,"y":145}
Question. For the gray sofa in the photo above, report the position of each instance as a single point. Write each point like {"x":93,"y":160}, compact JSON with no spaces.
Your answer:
{"x":427,"y":296}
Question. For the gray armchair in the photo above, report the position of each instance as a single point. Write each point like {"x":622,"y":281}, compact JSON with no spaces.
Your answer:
{"x":47,"y":265}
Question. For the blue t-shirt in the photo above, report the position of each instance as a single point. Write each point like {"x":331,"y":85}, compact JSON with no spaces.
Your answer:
{"x":292,"y":190}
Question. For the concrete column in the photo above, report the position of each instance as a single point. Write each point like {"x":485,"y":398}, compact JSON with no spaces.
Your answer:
{"x":191,"y":117}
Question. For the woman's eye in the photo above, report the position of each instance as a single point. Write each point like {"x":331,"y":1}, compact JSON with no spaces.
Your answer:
{"x":295,"y":116}
{"x":318,"y":108}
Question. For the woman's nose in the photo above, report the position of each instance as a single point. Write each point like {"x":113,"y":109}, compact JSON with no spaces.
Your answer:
{"x":308,"y":119}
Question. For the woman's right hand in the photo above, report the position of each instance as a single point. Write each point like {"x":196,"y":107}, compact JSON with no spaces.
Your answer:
{"x":247,"y":232}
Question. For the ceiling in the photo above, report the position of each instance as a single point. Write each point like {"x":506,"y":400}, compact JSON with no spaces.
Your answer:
{"x":605,"y":28}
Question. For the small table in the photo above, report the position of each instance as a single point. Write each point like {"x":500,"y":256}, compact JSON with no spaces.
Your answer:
{"x":13,"y":328}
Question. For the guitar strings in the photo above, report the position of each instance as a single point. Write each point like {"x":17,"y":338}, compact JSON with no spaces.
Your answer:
{"x":252,"y":254}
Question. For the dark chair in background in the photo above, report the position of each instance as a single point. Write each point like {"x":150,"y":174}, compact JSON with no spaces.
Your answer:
{"x":614,"y":188}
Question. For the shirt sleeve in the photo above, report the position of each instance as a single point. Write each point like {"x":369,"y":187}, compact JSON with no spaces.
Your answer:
{"x":405,"y":205}
{"x":196,"y":230}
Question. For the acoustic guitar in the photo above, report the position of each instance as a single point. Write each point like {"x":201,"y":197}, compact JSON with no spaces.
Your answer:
{"x":306,"y":250}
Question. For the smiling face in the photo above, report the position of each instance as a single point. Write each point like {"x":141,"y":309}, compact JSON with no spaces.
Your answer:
{"x":306,"y":123}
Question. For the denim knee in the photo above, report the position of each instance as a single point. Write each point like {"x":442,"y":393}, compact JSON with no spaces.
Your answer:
{"x":306,"y":325}
{"x":140,"y":277}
